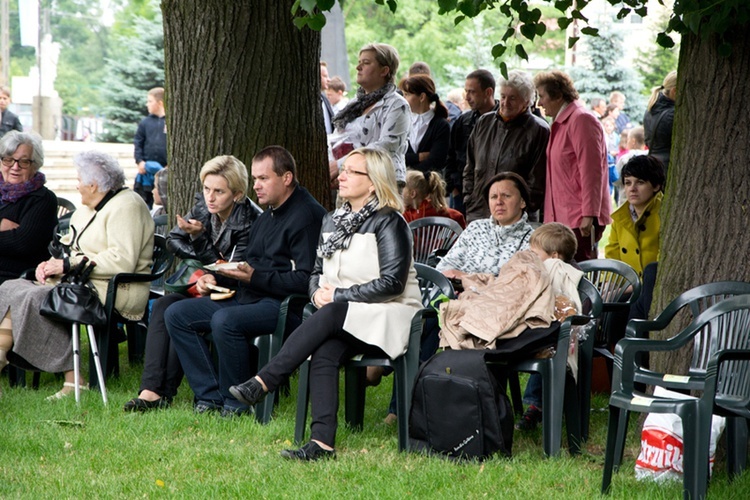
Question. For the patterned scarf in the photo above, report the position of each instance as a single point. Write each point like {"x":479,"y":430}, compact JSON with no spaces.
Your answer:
{"x":346,"y":223}
{"x":357,"y":106}
{"x":11,"y":193}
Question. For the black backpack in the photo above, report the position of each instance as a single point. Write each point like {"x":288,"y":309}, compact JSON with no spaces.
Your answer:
{"x":457,"y":408}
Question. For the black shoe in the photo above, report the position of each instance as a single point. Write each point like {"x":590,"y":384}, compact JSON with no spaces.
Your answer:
{"x":309,"y":452}
{"x":530,"y":419}
{"x":138,"y":404}
{"x":229,"y":412}
{"x":201,"y":407}
{"x":250,"y":392}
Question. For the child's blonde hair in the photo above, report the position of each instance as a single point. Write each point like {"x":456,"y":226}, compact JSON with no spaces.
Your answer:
{"x":555,"y":237}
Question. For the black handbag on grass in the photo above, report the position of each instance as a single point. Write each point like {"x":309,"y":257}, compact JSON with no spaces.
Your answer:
{"x":74,"y":300}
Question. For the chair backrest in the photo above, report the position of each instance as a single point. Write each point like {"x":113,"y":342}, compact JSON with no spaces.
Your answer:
{"x":619,"y":286}
{"x":591,"y":300}
{"x":64,"y":206}
{"x":431,"y":283}
{"x":160,"y":225}
{"x":724,"y":332}
{"x":431,"y":234}
{"x":695,"y":302}
{"x":257,"y":207}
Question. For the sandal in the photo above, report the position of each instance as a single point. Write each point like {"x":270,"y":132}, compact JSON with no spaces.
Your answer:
{"x":62,"y":393}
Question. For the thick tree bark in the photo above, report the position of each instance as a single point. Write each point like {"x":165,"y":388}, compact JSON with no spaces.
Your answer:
{"x":240,"y":76}
{"x":706,"y":213}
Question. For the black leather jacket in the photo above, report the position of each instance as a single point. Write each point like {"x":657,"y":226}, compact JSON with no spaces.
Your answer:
{"x":237,"y":233}
{"x":394,"y":255}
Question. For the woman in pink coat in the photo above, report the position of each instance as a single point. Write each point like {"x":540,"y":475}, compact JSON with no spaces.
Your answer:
{"x":577,"y":193}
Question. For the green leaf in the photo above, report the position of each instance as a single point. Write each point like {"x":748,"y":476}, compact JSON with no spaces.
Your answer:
{"x":392,"y":4}
{"x":536,"y":15}
{"x":504,"y":70}
{"x":326,"y":4}
{"x":458,"y":19}
{"x":522,"y":52}
{"x":588,"y":30}
{"x":564,"y":22}
{"x":300,"y":22}
{"x":623,"y":13}
{"x":576,"y":14}
{"x":725,"y":49}
{"x":541,"y":29}
{"x":563,"y":5}
{"x":665,"y":40}
{"x":447,"y":5}
{"x":308,"y":5}
{"x":572,"y":41}
{"x":317,"y":21}
{"x":509,"y":33}
{"x":642,"y":11}
{"x":528,"y":30}
{"x":498,"y":50}
{"x":295,"y":7}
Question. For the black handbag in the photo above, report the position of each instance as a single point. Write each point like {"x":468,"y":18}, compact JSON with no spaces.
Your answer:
{"x":74,"y":300}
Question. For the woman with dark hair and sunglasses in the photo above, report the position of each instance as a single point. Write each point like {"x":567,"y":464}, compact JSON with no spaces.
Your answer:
{"x":28,"y":210}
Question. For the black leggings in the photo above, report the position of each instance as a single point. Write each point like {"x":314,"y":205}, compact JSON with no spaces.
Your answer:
{"x":323,"y":337}
{"x":162,"y":371}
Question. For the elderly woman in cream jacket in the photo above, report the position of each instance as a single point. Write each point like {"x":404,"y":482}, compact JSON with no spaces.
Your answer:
{"x":114,"y":229}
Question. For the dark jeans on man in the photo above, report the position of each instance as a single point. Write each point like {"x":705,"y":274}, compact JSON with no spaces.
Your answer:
{"x":231,"y":326}
{"x":323,"y":337}
{"x":162,"y":372}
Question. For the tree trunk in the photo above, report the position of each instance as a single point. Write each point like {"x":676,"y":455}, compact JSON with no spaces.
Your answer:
{"x":706,"y":212}
{"x":240,"y":76}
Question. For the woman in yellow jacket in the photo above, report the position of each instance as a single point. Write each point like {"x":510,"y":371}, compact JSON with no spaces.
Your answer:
{"x":634,"y":236}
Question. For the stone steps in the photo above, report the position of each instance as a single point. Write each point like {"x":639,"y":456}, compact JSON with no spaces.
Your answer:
{"x":61,"y":174}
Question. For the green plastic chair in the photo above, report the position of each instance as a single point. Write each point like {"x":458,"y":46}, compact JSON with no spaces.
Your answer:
{"x":405,"y":368}
{"x":431,"y":235}
{"x":720,"y":337}
{"x":559,"y":391}
{"x":619,"y":286}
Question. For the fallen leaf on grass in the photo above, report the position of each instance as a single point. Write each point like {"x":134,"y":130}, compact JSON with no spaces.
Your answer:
{"x":160,"y":483}
{"x":364,"y":450}
{"x":65,"y":423}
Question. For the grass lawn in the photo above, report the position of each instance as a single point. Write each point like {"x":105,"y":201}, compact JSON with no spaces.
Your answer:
{"x":60,"y":450}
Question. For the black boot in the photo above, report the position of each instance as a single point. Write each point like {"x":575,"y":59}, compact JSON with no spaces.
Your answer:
{"x":250,"y":392}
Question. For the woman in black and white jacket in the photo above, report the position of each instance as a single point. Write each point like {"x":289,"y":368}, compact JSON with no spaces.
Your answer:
{"x":365,"y":287}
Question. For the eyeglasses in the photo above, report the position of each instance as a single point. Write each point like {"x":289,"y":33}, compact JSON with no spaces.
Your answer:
{"x":23,"y":163}
{"x":348,"y":171}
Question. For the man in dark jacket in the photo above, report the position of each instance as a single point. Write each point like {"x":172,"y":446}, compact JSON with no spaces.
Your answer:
{"x":480,"y":96}
{"x":512,"y":140}
{"x":277,"y":263}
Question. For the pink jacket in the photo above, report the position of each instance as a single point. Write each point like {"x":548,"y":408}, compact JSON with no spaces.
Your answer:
{"x":577,"y":176}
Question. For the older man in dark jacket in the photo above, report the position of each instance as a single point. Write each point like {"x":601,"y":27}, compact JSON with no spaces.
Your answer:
{"x":513,"y":140}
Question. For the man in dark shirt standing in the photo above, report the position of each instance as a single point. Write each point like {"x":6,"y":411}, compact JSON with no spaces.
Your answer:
{"x":150,"y":145}
{"x":480,"y":96}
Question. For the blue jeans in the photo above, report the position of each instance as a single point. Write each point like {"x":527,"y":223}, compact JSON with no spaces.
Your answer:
{"x":232,"y":327}
{"x":533,"y":393}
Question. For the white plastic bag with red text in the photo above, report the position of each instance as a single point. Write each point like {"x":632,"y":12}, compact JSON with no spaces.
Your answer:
{"x":661,"y":443}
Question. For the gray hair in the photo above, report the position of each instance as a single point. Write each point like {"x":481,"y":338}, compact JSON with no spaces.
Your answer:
{"x":520,"y":81}
{"x":386,"y":55}
{"x":13,"y":139}
{"x":100,"y":169}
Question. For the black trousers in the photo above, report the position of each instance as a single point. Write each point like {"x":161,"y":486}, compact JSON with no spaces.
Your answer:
{"x":323,"y":337}
{"x":162,"y":371}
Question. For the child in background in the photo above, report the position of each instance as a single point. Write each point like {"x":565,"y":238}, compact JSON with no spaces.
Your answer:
{"x":8,"y":120}
{"x":424,"y":196}
{"x":150,"y":145}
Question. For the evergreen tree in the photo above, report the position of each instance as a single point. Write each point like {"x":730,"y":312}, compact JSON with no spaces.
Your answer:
{"x":605,"y":73}
{"x":138,"y":67}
